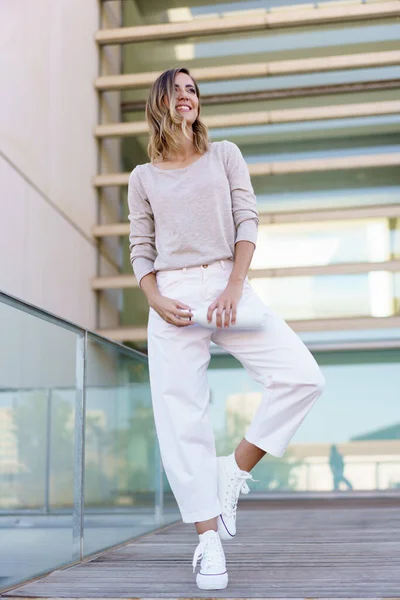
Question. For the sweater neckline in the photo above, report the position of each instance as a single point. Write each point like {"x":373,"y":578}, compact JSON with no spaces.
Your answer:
{"x":183,"y":168}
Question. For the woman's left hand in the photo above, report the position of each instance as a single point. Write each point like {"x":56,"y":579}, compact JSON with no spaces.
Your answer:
{"x":226,"y":302}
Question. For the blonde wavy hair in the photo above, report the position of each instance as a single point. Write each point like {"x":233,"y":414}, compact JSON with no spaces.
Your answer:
{"x":166,"y":125}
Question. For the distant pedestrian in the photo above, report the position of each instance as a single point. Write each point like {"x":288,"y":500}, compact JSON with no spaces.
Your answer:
{"x":336,"y":464}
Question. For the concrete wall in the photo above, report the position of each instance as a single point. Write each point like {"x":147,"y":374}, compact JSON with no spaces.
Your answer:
{"x":48,"y":154}
{"x":110,"y":162}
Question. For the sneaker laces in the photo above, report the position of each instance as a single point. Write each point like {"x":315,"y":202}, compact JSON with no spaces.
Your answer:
{"x":210,"y":551}
{"x":236,"y":486}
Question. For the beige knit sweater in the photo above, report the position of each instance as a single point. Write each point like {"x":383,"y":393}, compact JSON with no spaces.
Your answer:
{"x":191,"y":215}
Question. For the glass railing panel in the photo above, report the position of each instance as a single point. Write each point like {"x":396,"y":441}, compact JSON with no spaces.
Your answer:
{"x":37,"y":396}
{"x":80,"y":468}
{"x":120,"y":447}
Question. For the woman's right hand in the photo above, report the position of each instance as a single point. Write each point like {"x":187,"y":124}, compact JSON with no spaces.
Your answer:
{"x":172,"y":311}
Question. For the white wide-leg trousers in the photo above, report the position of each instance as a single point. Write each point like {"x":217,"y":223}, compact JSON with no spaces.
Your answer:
{"x":178,"y":360}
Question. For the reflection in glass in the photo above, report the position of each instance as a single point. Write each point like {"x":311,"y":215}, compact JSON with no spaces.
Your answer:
{"x":358,"y":413}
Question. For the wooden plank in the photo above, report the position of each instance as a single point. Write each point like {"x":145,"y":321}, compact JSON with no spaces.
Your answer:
{"x":261,"y":69}
{"x":291,"y":16}
{"x":293,"y":549}
{"x":288,"y":115}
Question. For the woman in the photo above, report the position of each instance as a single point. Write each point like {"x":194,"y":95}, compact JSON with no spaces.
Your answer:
{"x":193,"y":229}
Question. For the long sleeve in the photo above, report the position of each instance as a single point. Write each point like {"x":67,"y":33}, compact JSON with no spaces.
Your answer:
{"x":142,"y":233}
{"x":244,"y":202}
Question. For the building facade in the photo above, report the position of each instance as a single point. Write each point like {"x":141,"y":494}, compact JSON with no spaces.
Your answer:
{"x":310,"y":93}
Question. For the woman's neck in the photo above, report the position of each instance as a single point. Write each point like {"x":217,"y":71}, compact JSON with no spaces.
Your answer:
{"x":186,"y":150}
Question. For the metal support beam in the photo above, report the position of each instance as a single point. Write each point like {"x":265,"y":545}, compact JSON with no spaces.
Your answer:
{"x":337,"y":163}
{"x":267,"y":117}
{"x":299,"y":16}
{"x":139,"y":334}
{"x":261,"y":69}
{"x":335,"y":214}
{"x":282,"y":94}
{"x":393,"y":266}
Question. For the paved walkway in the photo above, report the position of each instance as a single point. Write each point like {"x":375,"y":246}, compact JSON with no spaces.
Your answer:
{"x":293,"y":549}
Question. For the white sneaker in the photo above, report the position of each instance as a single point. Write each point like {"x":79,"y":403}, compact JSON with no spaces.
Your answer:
{"x":213,"y":574}
{"x":231,"y":481}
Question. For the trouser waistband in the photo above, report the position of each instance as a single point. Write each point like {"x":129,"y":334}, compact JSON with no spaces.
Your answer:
{"x":217,"y":264}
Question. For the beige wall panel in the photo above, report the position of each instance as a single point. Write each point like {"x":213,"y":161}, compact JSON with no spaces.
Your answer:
{"x":44,"y":259}
{"x":48,"y":110}
{"x":48,"y":64}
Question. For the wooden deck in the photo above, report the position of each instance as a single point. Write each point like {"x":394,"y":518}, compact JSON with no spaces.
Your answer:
{"x":293,"y":549}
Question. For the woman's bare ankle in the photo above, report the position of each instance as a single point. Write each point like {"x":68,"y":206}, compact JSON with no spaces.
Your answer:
{"x":203,"y":526}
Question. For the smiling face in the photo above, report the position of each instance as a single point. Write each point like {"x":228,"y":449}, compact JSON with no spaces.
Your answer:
{"x":175,"y":92}
{"x":187,"y":101}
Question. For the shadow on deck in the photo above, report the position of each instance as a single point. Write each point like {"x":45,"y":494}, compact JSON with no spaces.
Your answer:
{"x":341,"y":548}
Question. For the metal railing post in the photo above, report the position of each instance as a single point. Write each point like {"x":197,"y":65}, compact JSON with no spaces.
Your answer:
{"x":79,"y":449}
{"x":159,"y":487}
{"x":46,"y":507}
